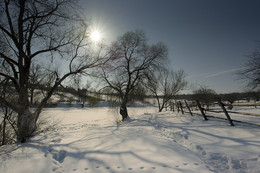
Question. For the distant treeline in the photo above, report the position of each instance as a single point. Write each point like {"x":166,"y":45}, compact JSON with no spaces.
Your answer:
{"x":231,"y":97}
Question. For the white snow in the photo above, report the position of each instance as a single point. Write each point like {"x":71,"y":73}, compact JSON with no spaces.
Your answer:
{"x":89,"y":140}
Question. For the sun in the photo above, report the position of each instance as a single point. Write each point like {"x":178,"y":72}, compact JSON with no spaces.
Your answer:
{"x":95,"y":36}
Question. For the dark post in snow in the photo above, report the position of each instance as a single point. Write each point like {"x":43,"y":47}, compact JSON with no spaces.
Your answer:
{"x":178,"y":106}
{"x":173,"y":106}
{"x":201,"y":110}
{"x":188,"y":107}
{"x":181,"y":107}
{"x":225,"y":111}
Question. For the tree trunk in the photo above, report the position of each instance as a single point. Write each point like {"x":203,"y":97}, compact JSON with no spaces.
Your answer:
{"x":31,"y":99}
{"x":159,"y":105}
{"x":123,"y":111}
{"x":26,"y":126}
{"x":4,"y":126}
{"x":27,"y":120}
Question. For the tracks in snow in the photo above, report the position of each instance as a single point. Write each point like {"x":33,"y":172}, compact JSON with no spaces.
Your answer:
{"x":216,"y":162}
{"x":57,"y":154}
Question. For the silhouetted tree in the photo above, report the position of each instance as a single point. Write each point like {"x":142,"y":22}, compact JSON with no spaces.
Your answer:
{"x":164,"y":85}
{"x":205,"y":95}
{"x":251,"y":95}
{"x":46,"y":32}
{"x":231,"y":97}
{"x":251,"y":72}
{"x":130,"y":58}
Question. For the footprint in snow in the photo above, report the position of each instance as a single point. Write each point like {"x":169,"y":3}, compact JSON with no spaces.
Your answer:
{"x":59,"y":155}
{"x":238,"y":164}
{"x":56,"y":140}
{"x":201,"y":150}
{"x":204,"y":153}
{"x":54,"y":169}
{"x":219,"y":161}
{"x":198,"y":147}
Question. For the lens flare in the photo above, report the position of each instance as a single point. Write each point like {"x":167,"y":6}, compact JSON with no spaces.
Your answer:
{"x":95,"y":36}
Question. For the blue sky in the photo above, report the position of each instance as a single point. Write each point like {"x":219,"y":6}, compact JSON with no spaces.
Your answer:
{"x":208,"y":39}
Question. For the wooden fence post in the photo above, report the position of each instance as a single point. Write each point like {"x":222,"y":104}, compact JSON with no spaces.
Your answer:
{"x":201,"y":110}
{"x":173,"y":106}
{"x":225,"y":111}
{"x":178,"y":107}
{"x":181,"y":107}
{"x":188,"y":107}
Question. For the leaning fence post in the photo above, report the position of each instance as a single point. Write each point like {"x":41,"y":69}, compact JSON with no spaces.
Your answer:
{"x":181,"y":107}
{"x":188,"y":107}
{"x":201,"y":110}
{"x":225,"y":111}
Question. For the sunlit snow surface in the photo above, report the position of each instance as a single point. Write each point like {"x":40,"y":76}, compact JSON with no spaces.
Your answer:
{"x":89,"y":140}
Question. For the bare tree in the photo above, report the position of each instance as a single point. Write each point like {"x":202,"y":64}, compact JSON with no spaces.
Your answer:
{"x":130,"y":58}
{"x":230,"y":97}
{"x":7,"y":125}
{"x":7,"y":116}
{"x":251,"y":72}
{"x":44,"y":32}
{"x":205,"y":95}
{"x":164,"y":85}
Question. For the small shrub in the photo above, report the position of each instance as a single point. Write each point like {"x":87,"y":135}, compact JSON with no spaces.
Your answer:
{"x":8,"y":126}
{"x":46,"y":123}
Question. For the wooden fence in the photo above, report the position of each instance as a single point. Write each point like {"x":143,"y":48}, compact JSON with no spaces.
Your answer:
{"x":180,"y":107}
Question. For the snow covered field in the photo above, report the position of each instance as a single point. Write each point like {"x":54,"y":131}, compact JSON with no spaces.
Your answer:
{"x":89,"y":140}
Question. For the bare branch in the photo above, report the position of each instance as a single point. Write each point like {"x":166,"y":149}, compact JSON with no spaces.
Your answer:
{"x":130,"y":57}
{"x":251,"y":72}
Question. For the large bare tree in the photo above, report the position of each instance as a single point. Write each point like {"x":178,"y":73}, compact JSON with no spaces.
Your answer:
{"x":130,"y":59}
{"x":40,"y":32}
{"x":251,"y":72}
{"x":164,"y":85}
{"x":205,"y":95}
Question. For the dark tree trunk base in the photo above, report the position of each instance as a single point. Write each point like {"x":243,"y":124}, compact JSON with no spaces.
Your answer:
{"x":26,"y":126}
{"x":123,"y":112}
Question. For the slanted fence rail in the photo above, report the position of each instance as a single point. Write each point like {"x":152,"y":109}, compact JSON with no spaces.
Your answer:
{"x":184,"y":107}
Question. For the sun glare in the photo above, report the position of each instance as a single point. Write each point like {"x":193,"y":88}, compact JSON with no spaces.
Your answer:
{"x":95,"y":36}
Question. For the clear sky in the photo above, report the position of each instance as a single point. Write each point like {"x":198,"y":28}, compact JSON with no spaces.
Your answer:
{"x":208,"y":39}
